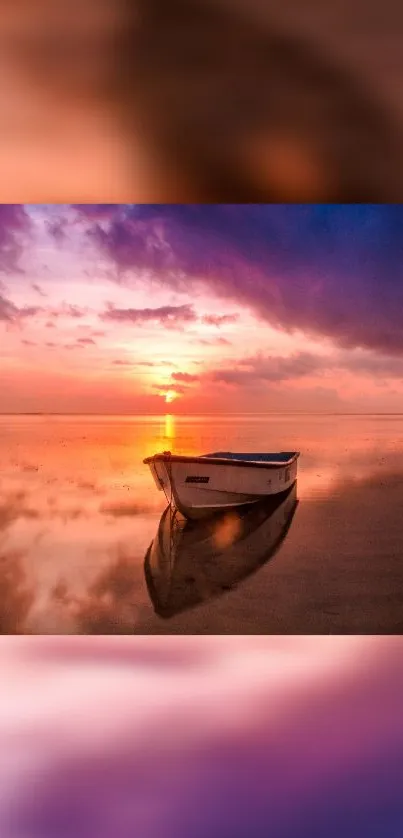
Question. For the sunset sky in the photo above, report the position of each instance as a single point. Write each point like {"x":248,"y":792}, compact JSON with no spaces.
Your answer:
{"x":192,"y":309}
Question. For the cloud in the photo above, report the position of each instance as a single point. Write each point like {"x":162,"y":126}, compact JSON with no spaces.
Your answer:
{"x":14,"y":506}
{"x":166,"y":315}
{"x":168,"y":388}
{"x":328,"y":270}
{"x":12,"y":314}
{"x":251,"y":372}
{"x":218,"y":341}
{"x":57,"y":228}
{"x":145,"y":363}
{"x":8,"y":311}
{"x":111,"y":605}
{"x":73,"y":346}
{"x":96,"y":212}
{"x":16,"y":597}
{"x":68,"y":310}
{"x":86,"y":341}
{"x":28,"y":311}
{"x":185,"y":377}
{"x":37,"y":288}
{"x":219,"y":319}
{"x":276,"y":369}
{"x":121,"y":362}
{"x":124,"y":509}
{"x":15,"y":229}
{"x":272,"y":369}
{"x":375,"y":366}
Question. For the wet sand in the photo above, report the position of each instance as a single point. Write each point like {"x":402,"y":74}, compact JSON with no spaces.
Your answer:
{"x":78,"y":511}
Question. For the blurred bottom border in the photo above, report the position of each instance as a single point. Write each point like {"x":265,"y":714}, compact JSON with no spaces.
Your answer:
{"x":196,"y":736}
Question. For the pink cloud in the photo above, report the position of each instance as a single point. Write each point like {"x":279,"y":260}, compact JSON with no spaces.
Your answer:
{"x":219,"y":319}
{"x":185,"y":377}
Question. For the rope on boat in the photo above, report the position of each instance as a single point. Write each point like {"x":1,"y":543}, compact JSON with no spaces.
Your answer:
{"x":172,"y":509}
{"x":174,"y":523}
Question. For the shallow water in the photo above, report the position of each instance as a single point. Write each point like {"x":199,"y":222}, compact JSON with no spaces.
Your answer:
{"x":78,"y":511}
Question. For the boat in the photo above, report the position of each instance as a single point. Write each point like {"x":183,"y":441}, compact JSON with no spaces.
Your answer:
{"x":191,"y":562}
{"x":202,"y":485}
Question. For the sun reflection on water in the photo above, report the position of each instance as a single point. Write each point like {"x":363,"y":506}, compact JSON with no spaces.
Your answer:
{"x":169,"y":426}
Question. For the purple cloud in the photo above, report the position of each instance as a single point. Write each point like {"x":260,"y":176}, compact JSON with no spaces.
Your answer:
{"x":68,"y":310}
{"x":328,"y":270}
{"x":37,"y":288}
{"x":10,"y":313}
{"x":276,"y":369}
{"x":57,"y":228}
{"x":166,"y":315}
{"x":15,"y":228}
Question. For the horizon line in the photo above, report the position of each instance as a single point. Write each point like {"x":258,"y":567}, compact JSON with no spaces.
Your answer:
{"x":201,"y":413}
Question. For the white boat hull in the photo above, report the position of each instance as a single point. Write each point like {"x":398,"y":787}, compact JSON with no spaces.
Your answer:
{"x":199,"y":488}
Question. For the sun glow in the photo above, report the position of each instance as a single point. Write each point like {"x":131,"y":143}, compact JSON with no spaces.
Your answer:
{"x":170,"y":395}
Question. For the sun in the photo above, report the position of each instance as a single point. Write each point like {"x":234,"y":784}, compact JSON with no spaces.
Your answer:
{"x":170,"y":395}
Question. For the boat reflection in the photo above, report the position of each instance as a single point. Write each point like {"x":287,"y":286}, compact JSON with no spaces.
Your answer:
{"x":190,"y":562}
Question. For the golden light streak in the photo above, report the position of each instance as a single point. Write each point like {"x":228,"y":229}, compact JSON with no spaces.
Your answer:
{"x":169,"y":426}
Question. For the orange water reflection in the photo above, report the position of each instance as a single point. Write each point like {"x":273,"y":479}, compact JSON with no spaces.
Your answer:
{"x":78,"y":510}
